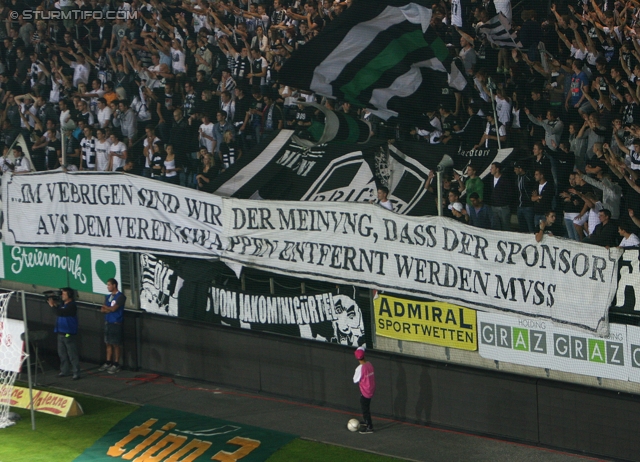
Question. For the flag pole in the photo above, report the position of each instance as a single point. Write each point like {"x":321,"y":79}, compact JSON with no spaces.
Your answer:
{"x":26,"y":341}
{"x":63,"y":147}
{"x":439,"y":178}
{"x":492,"y":86}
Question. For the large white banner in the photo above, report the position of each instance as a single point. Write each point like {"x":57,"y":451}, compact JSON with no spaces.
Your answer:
{"x":363,"y":244}
{"x":113,"y":211}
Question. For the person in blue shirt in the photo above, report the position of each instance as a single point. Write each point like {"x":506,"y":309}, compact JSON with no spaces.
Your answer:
{"x":113,"y":309}
{"x":67,"y":330}
{"x":478,"y":212}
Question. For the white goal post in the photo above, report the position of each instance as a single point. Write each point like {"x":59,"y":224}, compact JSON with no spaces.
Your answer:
{"x":12,"y":356}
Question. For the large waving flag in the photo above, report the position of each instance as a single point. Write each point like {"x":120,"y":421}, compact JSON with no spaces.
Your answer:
{"x":498,"y":31}
{"x":379,"y":54}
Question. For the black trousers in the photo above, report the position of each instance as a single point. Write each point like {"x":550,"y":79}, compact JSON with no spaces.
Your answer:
{"x":365,"y":405}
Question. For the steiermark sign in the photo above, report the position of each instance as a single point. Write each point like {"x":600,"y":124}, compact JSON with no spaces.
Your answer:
{"x":86,"y":270}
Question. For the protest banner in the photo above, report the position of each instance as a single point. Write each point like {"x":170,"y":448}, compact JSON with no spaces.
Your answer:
{"x":110,"y":210}
{"x":432,"y":257}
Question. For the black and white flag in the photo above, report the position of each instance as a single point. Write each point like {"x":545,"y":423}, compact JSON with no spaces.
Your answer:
{"x":499,"y":32}
{"x":286,"y":169}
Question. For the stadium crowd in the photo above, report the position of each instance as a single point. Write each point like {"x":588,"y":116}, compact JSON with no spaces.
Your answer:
{"x":179,"y":90}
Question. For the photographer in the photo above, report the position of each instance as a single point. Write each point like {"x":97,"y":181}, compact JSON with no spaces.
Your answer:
{"x":67,"y":329}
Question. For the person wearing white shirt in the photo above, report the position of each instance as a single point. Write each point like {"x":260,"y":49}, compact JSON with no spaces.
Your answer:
{"x":95,"y":94}
{"x":206,"y":133}
{"x":629,"y":239}
{"x":503,"y":107}
{"x":102,"y":146}
{"x":383,"y":201}
{"x":79,"y":66}
{"x":456,"y":13}
{"x":504,"y":7}
{"x":104,"y":113}
{"x":21,"y":164}
{"x":177,"y":57}
{"x":200,"y":20}
{"x":594,"y":216}
{"x":27,"y":110}
{"x":117,"y":153}
{"x":66,"y":122}
{"x":147,"y":149}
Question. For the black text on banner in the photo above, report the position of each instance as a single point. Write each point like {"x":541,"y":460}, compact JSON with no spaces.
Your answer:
{"x":114,"y":211}
{"x":431,"y":256}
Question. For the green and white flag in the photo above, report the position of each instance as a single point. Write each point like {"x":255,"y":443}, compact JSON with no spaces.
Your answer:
{"x":378,"y":54}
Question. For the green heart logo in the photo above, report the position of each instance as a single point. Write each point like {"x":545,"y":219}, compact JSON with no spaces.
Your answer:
{"x":105,"y":270}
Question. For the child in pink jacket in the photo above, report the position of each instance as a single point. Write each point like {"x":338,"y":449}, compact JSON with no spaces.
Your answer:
{"x":365,"y":377}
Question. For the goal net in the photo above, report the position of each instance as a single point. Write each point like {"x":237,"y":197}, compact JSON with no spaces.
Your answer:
{"x":11,"y":357}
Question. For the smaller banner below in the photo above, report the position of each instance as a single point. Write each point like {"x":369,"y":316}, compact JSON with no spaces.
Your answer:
{"x":436,"y":323}
{"x":539,"y":343}
{"x":326,"y":317}
{"x":47,"y":402}
{"x":86,"y":270}
{"x":112,"y":211}
{"x":11,"y":345}
{"x":158,"y":434}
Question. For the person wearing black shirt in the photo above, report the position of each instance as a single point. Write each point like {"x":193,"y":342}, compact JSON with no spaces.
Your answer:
{"x":501,"y":196}
{"x":167,"y":103}
{"x":303,"y":116}
{"x":450,"y":122}
{"x":572,"y":206}
{"x":565,"y":160}
{"x":10,"y":57}
{"x":190,"y":58}
{"x":273,"y":116}
{"x":156,"y":161}
{"x":23,"y":65}
{"x":548,"y":226}
{"x":201,"y":84}
{"x":606,"y":232}
{"x":597,"y":163}
{"x":630,"y":109}
{"x":67,"y":330}
{"x":206,"y":174}
{"x":542,"y":196}
{"x":541,"y":161}
{"x":242,"y":67}
{"x":128,"y":167}
{"x":472,"y":130}
{"x":525,"y":186}
{"x":52,"y":149}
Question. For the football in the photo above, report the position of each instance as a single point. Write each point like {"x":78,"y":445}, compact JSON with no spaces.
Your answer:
{"x":353,"y":425}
